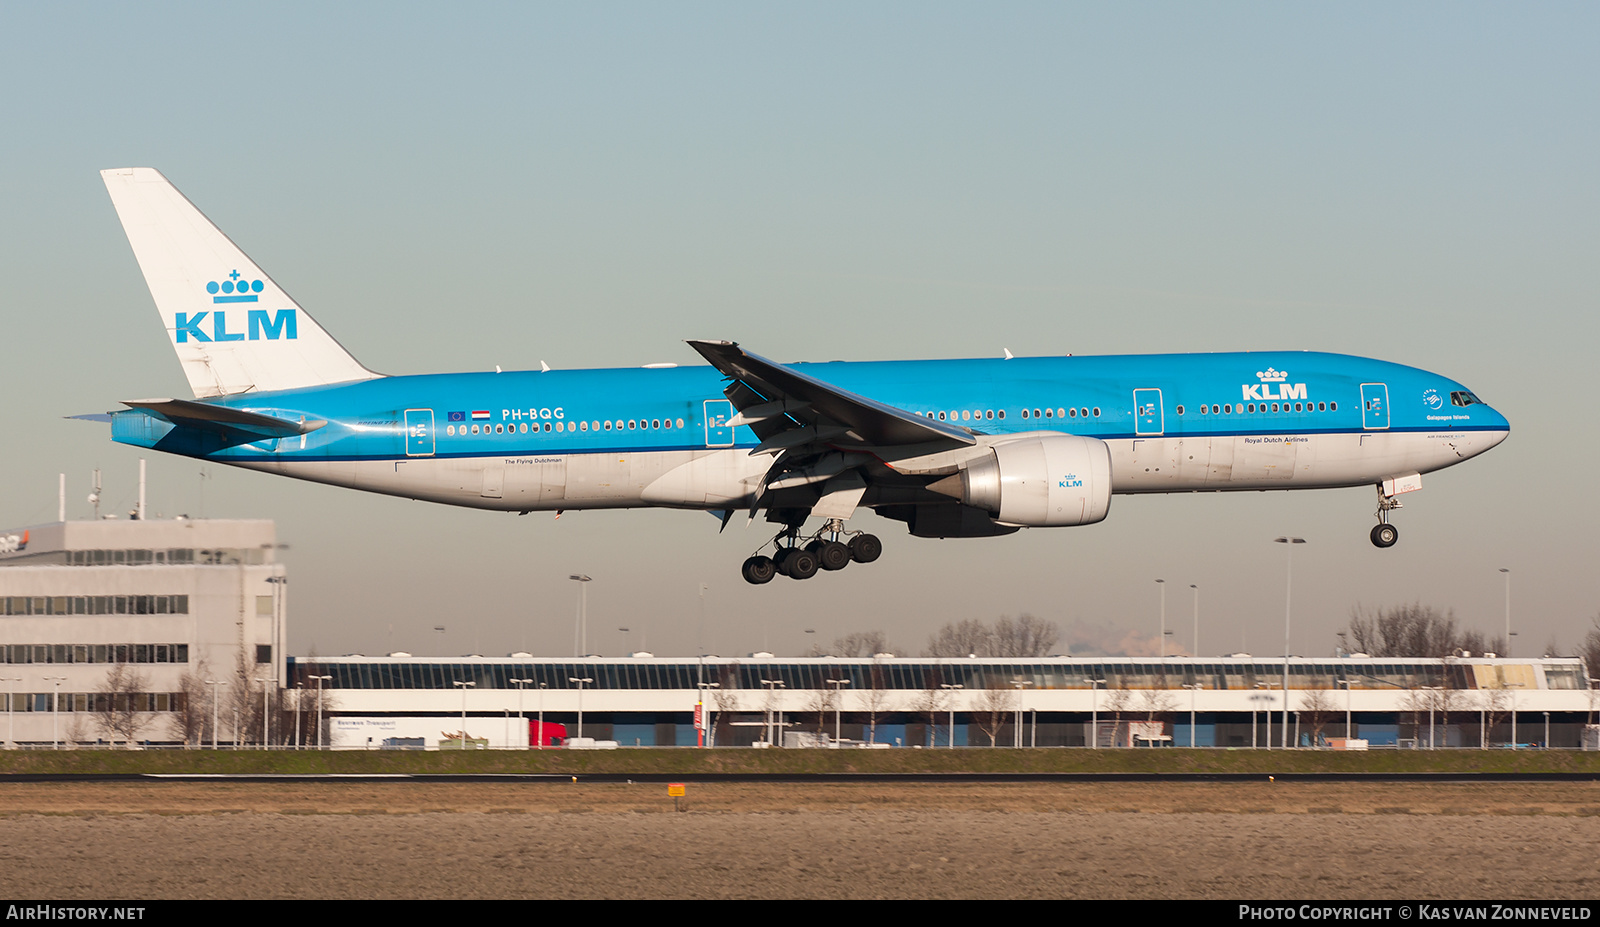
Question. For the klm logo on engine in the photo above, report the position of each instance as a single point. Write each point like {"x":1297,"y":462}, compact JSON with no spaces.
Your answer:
{"x":1070,"y":481}
{"x":213,"y":326}
{"x":1272,"y":386}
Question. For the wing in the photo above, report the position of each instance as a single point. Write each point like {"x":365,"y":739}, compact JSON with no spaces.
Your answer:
{"x":820,"y":434}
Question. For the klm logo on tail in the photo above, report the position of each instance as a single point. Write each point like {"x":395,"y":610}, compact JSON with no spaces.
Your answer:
{"x":258,"y":323}
{"x":234,"y":290}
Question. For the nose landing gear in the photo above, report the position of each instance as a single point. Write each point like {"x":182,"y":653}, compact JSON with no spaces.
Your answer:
{"x":1385,"y":534}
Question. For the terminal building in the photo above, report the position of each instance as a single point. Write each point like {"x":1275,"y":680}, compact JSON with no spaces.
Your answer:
{"x":114,"y":630}
{"x":171,"y":631}
{"x":650,"y":701}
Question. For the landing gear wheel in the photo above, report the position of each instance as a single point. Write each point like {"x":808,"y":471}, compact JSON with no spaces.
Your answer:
{"x":758,"y":570}
{"x":1385,"y":535}
{"x":865,"y":548}
{"x":781,"y":559}
{"x":834,"y":555}
{"x":801,"y":564}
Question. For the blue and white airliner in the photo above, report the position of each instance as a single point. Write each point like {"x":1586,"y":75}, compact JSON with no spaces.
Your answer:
{"x":952,"y":448}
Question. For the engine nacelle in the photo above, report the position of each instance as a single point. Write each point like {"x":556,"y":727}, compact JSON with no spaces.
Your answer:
{"x":1042,"y":481}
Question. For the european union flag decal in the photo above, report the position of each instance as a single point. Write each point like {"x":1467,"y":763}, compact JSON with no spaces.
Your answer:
{"x":457,"y":417}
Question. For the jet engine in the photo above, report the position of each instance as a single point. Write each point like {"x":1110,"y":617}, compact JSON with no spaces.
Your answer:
{"x":1039,"y":481}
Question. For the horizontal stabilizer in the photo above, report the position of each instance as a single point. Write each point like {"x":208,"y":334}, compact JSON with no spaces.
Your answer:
{"x":92,"y":417}
{"x":190,"y":414}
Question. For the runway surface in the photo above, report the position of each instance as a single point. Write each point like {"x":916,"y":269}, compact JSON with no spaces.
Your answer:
{"x":408,"y":839}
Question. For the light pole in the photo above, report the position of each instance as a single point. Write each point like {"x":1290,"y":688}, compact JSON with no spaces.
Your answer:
{"x":952,"y":687}
{"x":1507,"y":574}
{"x":1094,"y":713}
{"x":1196,"y":644}
{"x":1162,"y":640}
{"x":1430,"y":698}
{"x":266,"y":717}
{"x":772,"y":687}
{"x":1513,"y":686}
{"x":1194,"y":688}
{"x":278,"y":591}
{"x":320,"y":680}
{"x":581,"y":636}
{"x":11,"y":721}
{"x":1016,"y":734}
{"x":1347,"y":735}
{"x":55,"y":712}
{"x":463,"y":686}
{"x":1255,"y":700}
{"x":839,"y":708}
{"x":213,"y":683}
{"x":542,"y":738}
{"x":1288,"y":600}
{"x":581,"y":681}
{"x":522,"y":685}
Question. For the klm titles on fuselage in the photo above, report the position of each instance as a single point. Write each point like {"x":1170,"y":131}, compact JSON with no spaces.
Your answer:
{"x":1272,"y":386}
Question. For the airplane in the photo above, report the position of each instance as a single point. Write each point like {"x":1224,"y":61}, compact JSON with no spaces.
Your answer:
{"x":952,"y":448}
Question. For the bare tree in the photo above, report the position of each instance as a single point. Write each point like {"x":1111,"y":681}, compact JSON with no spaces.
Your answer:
{"x":878,"y":699}
{"x":933,"y":701}
{"x":1496,"y":705}
{"x":1116,"y":704}
{"x":959,"y":639}
{"x":724,"y":702}
{"x":1589,"y":649}
{"x":1475,"y":642}
{"x":120,"y":705}
{"x":855,"y":644}
{"x":191,"y":716}
{"x":821,"y":702}
{"x":1414,"y":630}
{"x":995,"y":706}
{"x":1317,"y":710}
{"x":1157,"y":706}
{"x":1025,"y":636}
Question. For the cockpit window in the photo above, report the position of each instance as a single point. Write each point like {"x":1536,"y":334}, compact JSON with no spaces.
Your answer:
{"x":1462,"y":397}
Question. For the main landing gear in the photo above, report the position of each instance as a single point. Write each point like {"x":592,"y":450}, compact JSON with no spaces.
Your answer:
{"x":801,"y":559}
{"x":1385,"y":534}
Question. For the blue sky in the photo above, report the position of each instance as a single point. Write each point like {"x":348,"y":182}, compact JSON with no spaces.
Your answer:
{"x":588,"y":185}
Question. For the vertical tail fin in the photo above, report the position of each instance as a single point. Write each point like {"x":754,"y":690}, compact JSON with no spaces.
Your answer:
{"x":233,"y":328}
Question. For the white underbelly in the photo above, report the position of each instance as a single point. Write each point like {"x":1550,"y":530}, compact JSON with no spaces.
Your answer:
{"x":678,"y":479}
{"x":1177,"y":464}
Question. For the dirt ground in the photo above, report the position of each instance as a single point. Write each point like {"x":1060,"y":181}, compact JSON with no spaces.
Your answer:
{"x":404,"y":839}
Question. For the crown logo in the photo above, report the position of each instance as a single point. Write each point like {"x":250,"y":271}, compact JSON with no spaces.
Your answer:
{"x":234,"y":290}
{"x":1272,"y":376}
